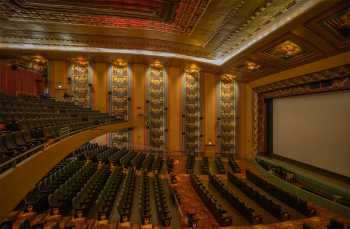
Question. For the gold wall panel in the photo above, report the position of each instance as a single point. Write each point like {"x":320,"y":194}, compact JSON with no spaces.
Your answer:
{"x":120,"y":103}
{"x":157,"y":106}
{"x":191,"y":111}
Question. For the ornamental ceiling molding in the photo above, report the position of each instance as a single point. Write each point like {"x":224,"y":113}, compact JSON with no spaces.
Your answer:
{"x":77,"y":40}
{"x":264,"y":14}
{"x":160,"y":10}
{"x":262,"y":24}
{"x":186,"y":16}
{"x":228,"y":40}
{"x":329,"y":74}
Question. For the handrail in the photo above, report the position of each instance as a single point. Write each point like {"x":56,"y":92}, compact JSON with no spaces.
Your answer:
{"x":14,"y":161}
{"x":16,"y":182}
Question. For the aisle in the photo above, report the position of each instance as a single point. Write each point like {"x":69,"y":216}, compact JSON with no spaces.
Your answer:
{"x":191,"y":203}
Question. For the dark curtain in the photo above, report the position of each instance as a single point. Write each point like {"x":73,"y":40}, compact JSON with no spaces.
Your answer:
{"x":20,"y":81}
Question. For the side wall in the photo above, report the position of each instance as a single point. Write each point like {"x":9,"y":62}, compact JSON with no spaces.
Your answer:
{"x":58,"y":75}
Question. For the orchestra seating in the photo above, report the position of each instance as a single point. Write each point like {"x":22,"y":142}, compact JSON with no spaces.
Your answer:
{"x":157,"y":165}
{"x":83,"y":200}
{"x":138,"y":160}
{"x":292,"y":200}
{"x":61,"y":197}
{"x":205,"y":166}
{"x":144,"y":201}
{"x":147,"y":163}
{"x":190,"y":163}
{"x":100,"y":182}
{"x":334,"y":224}
{"x":161,"y":202}
{"x":265,"y":202}
{"x":27,"y":122}
{"x":127,"y":194}
{"x":38,"y":198}
{"x":209,"y":200}
{"x":242,"y":207}
{"x":106,"y":198}
{"x":170,"y":164}
{"x":233,"y":165}
{"x":219,"y":165}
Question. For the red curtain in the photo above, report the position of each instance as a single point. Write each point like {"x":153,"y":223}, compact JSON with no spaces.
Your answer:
{"x":20,"y":81}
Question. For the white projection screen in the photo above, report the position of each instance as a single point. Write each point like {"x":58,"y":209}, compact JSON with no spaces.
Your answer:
{"x":314,"y":129}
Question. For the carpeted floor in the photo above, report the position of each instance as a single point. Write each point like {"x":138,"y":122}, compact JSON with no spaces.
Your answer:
{"x":191,"y":203}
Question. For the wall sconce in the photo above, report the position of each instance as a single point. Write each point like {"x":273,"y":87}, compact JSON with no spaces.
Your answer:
{"x":191,"y":69}
{"x":210,"y":142}
{"x":59,"y":86}
{"x":228,"y":78}
{"x":120,"y":63}
{"x":252,"y":66}
{"x":157,"y":65}
{"x":80,"y":61}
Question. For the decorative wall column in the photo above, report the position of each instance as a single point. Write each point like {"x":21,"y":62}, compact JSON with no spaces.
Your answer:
{"x":119,"y":92}
{"x":175,"y":138}
{"x":138,"y":105}
{"x":227,"y":114}
{"x":209,"y":82}
{"x":100,"y":89}
{"x":157,"y":106}
{"x":191,"y":110}
{"x":58,"y":79}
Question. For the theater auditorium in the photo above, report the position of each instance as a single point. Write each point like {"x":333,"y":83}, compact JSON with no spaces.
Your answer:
{"x":175,"y":114}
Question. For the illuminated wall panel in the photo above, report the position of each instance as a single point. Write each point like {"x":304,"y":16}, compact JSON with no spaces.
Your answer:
{"x":120,"y":82}
{"x":227,"y":100}
{"x":191,"y":110}
{"x":157,"y":104}
{"x":80,"y":79}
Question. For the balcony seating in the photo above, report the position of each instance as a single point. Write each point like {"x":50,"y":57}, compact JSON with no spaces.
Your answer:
{"x":242,"y":207}
{"x":205,"y":166}
{"x":219,"y":165}
{"x":144,"y":201}
{"x":292,"y":200}
{"x":26,"y":122}
{"x":215,"y":208}
{"x":265,"y":202}
{"x":161,"y":202}
{"x":190,"y":164}
{"x":127,"y":193}
{"x":233,"y":165}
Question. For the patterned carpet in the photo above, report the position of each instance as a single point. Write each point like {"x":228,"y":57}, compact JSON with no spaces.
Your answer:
{"x":191,"y":203}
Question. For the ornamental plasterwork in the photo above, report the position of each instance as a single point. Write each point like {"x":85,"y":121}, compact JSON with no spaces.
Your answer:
{"x":196,"y":30}
{"x":262,"y":16}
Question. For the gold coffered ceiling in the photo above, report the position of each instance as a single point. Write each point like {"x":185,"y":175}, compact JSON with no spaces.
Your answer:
{"x":233,"y":34}
{"x":207,"y":29}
